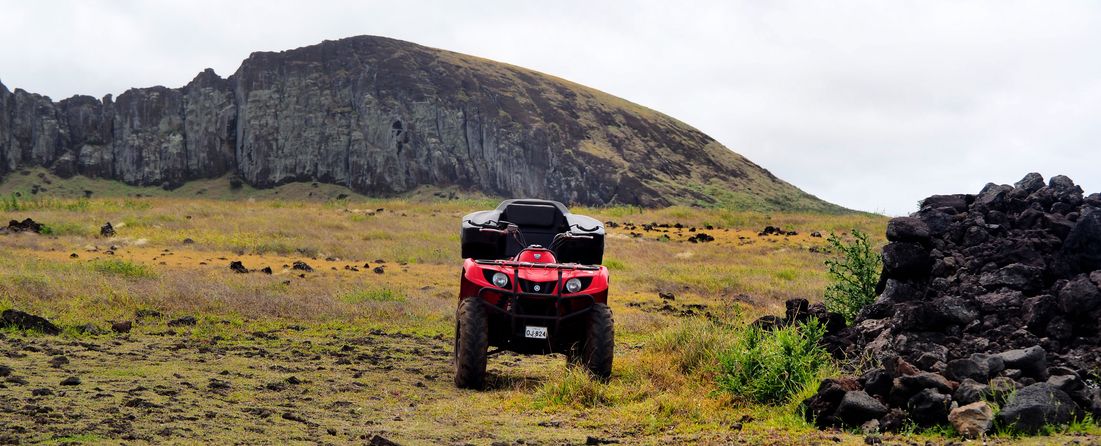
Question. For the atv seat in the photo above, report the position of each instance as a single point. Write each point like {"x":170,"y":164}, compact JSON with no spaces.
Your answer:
{"x":539,"y":222}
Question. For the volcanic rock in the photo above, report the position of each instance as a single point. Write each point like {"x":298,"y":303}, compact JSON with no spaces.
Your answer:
{"x":1035,"y":406}
{"x":237,"y":267}
{"x":27,"y":225}
{"x":857,"y":407}
{"x":1002,"y":294}
{"x":26,"y":321}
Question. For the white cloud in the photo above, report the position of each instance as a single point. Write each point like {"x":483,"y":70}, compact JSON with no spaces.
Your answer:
{"x":872,"y":105}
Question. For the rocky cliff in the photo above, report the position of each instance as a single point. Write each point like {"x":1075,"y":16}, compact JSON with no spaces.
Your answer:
{"x":383,"y":116}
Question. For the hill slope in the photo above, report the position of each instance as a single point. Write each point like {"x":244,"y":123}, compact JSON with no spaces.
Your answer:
{"x":383,"y":116}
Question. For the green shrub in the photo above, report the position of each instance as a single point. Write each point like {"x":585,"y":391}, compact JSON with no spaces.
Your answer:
{"x":123,"y":268}
{"x":853,"y":273}
{"x":769,"y":366}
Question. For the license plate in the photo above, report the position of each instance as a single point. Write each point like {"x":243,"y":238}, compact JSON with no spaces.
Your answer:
{"x":535,"y":332}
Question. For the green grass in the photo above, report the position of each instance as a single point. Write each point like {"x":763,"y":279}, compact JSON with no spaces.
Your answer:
{"x":373,"y":295}
{"x":769,"y":366}
{"x":614,"y":264}
{"x":123,"y":268}
{"x":574,"y":389}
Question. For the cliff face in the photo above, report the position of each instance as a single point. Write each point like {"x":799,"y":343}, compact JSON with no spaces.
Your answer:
{"x":384,"y":116}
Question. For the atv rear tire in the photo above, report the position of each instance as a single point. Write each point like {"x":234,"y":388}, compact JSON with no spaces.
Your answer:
{"x":599,"y":347}
{"x":471,"y":344}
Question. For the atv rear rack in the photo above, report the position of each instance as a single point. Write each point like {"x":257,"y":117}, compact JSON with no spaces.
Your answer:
{"x":560,"y":266}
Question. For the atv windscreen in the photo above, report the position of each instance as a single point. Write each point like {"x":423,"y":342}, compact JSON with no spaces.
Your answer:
{"x":539,"y":221}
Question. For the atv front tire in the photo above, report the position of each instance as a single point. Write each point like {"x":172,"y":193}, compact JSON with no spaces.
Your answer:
{"x":471,"y":344}
{"x":599,"y":347}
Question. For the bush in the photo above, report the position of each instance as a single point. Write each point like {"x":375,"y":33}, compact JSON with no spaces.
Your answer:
{"x":853,"y":274}
{"x":769,"y":366}
{"x":123,"y":268}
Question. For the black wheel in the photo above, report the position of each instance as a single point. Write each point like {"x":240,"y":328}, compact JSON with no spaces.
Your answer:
{"x":471,"y":344}
{"x":599,"y":346}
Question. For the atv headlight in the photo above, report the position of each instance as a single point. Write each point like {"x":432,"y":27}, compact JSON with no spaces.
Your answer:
{"x":573,"y":285}
{"x":500,"y":280}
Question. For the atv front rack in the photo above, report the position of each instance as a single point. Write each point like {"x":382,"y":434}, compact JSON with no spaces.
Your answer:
{"x":560,"y":266}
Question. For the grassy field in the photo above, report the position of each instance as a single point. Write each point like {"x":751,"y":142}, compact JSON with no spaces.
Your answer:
{"x":360,"y":346}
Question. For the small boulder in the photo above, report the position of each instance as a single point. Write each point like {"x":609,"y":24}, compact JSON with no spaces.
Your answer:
{"x":1015,"y":276}
{"x":1035,"y":406}
{"x":107,"y":230}
{"x":122,"y":326}
{"x":26,"y":321}
{"x":972,"y":420}
{"x":857,"y":407}
{"x":302,"y":266}
{"x":1030,"y":361}
{"x":183,"y":321}
{"x":907,"y":229}
{"x":237,"y":267}
{"x":929,"y":407}
{"x":905,"y":259}
{"x":970,"y":391}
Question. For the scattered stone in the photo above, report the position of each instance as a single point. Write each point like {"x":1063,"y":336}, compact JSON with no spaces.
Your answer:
{"x":25,"y":321}
{"x":378,"y":440}
{"x":701,"y":237}
{"x":379,"y":269}
{"x":183,"y":321}
{"x":217,"y":384}
{"x":27,"y":225}
{"x":122,"y":326}
{"x":302,"y":266}
{"x":42,"y":392}
{"x":58,"y":361}
{"x":188,"y":241}
{"x":667,"y":296}
{"x":291,"y":416}
{"x":237,"y":267}
{"x":266,"y":270}
{"x":107,"y":230}
{"x":71,"y":381}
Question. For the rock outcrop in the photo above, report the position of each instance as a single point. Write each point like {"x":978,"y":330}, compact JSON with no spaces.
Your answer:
{"x":989,"y":297}
{"x":383,"y":116}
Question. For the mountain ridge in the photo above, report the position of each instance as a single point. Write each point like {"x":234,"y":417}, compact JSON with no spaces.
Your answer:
{"x":383,"y":116}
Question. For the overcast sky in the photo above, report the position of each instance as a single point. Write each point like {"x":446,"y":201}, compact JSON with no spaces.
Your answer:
{"x":871,"y":105}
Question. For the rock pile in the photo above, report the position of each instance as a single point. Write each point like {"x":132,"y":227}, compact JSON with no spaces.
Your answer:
{"x":26,"y":225}
{"x":994,"y":297}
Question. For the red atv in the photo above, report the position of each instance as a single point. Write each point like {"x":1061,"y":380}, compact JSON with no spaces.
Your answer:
{"x":532,"y":283}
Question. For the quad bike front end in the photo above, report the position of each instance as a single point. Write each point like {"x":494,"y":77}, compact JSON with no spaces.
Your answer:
{"x":522,"y":297}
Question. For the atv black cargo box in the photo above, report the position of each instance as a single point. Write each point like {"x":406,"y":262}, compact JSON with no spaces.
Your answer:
{"x":539,"y":221}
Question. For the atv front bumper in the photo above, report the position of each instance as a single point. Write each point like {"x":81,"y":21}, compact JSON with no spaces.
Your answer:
{"x":514,"y":312}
